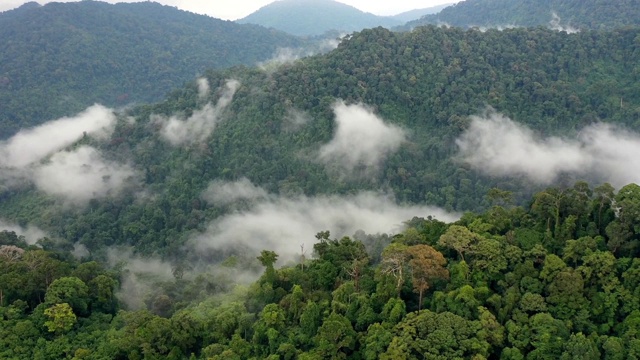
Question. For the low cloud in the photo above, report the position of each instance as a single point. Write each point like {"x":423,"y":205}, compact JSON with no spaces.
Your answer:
{"x":556,"y":25}
{"x":496,"y":27}
{"x":614,"y":153}
{"x":146,"y":278}
{"x":31,"y":233}
{"x":201,"y":124}
{"x":80,"y":251}
{"x":32,"y":145}
{"x":150,"y":266}
{"x":203,"y":87}
{"x":327,"y":45}
{"x":283,"y":224}
{"x":295,"y":120}
{"x":221,"y":193}
{"x":282,"y":56}
{"x":37,"y":156}
{"x":82,"y":174}
{"x":139,"y":279}
{"x":288,"y":55}
{"x":497,"y":146}
{"x":361,"y":140}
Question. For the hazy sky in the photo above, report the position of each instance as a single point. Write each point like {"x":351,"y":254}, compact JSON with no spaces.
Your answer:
{"x":236,"y":9}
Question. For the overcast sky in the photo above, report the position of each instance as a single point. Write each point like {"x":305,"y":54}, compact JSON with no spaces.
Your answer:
{"x":236,"y":9}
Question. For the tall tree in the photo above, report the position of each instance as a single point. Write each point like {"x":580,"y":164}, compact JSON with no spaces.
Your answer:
{"x":458,"y":238}
{"x":427,"y":266}
{"x":394,"y":263}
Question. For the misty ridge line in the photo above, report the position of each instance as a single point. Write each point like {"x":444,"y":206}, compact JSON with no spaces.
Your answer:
{"x":555,"y":24}
{"x":493,"y":145}
{"x":361,"y":140}
{"x":81,"y":174}
{"x":287,"y":55}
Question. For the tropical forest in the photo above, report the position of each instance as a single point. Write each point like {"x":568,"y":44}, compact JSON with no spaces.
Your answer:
{"x":464,"y":186}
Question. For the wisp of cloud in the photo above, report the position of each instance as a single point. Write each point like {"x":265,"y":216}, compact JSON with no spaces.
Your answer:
{"x":203,"y":87}
{"x":288,"y":55}
{"x":283,"y":224}
{"x":31,"y":233}
{"x":555,"y":24}
{"x":82,"y":174}
{"x":201,"y":124}
{"x":222,"y":193}
{"x":141,"y":274}
{"x":37,"y":156}
{"x":32,"y":145}
{"x":361,"y":139}
{"x":497,"y":146}
{"x":295,"y":120}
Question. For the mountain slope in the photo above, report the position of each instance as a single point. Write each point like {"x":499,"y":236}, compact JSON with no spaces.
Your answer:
{"x":416,"y":14}
{"x":384,"y":112}
{"x":315,"y":17}
{"x":577,"y":14}
{"x":59,"y":58}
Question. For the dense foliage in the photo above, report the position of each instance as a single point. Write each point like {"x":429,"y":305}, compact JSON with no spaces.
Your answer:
{"x":526,"y":273}
{"x":315,"y":17}
{"x":556,"y":279}
{"x":576,"y":14}
{"x":428,"y":81}
{"x":59,"y":58}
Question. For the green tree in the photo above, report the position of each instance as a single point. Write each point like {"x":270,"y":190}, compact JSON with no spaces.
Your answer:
{"x":580,"y":347}
{"x":102,"y":292}
{"x":434,"y":335}
{"x":394,"y":263}
{"x":622,"y":231}
{"x":336,"y":338}
{"x":61,"y":318}
{"x":375,"y":341}
{"x":458,"y":238}
{"x":70,"y":290}
{"x":427,"y":266}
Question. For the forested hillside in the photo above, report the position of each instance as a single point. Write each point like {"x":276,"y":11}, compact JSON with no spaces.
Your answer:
{"x":59,"y":58}
{"x":571,"y":15}
{"x":403,"y":114}
{"x":315,"y":17}
{"x":557,"y":279}
{"x":439,"y":193}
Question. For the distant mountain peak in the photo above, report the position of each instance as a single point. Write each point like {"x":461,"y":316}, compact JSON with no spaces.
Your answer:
{"x":315,"y":17}
{"x":415,"y":14}
{"x":29,"y":5}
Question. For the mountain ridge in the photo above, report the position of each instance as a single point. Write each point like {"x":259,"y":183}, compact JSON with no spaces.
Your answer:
{"x":71,"y":55}
{"x":315,"y":17}
{"x":416,"y":14}
{"x":286,"y":131}
{"x":567,"y":14}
